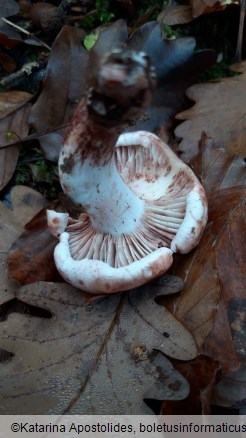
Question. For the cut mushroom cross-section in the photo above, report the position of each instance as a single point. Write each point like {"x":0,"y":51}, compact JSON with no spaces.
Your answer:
{"x":139,"y":202}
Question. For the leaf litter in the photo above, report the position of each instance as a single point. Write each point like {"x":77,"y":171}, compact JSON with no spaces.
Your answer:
{"x":92,"y":357}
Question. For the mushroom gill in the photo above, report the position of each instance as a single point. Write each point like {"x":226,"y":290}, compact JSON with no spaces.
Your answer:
{"x":139,"y":202}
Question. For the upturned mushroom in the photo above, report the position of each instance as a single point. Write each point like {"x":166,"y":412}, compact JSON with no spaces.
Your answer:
{"x":139,"y":203}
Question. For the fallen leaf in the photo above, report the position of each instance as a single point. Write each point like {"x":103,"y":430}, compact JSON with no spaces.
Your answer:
{"x":64,"y":84}
{"x":215,"y":168}
{"x":201,"y":374}
{"x":226,"y":341}
{"x":9,"y":8}
{"x":24,"y":202}
{"x":30,"y":258}
{"x":75,"y":360}
{"x":212,"y":304}
{"x":178,"y":14}
{"x":219,"y":111}
{"x":14,"y":112}
{"x":177,"y":67}
{"x":198,"y":304}
{"x":231,"y":390}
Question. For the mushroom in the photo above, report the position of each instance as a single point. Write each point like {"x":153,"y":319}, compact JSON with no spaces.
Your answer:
{"x":138,"y":202}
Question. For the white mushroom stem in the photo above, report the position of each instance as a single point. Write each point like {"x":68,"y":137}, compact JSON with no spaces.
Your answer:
{"x":113,"y":208}
{"x":99,"y":277}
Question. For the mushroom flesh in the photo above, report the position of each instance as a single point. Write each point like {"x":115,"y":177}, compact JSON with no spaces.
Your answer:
{"x":138,"y":202}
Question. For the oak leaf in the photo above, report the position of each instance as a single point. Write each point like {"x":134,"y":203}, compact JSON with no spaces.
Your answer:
{"x":202,"y":374}
{"x":226,"y":341}
{"x":97,"y":357}
{"x":219,"y":111}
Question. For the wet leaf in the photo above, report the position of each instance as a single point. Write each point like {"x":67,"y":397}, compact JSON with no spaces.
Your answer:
{"x":25,"y":202}
{"x":76,"y":360}
{"x":219,"y":111}
{"x":14,"y":112}
{"x":201,"y":374}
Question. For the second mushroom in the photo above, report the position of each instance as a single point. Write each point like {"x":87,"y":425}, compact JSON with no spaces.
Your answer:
{"x":138,"y":202}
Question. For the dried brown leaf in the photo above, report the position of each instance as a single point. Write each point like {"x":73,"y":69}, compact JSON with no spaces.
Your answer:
{"x":215,"y":280}
{"x":201,"y":374}
{"x":14,"y":112}
{"x":25,"y":202}
{"x":219,"y":111}
{"x":215,"y":168}
{"x":30,"y":258}
{"x":78,"y":361}
{"x":226,"y":342}
{"x":196,"y":306}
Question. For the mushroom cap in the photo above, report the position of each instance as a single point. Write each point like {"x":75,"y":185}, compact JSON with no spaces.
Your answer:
{"x":175,"y":215}
{"x":174,"y":197}
{"x":97,"y":277}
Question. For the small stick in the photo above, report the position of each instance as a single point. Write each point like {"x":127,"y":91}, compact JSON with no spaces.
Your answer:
{"x":26,"y":32}
{"x":26,"y":69}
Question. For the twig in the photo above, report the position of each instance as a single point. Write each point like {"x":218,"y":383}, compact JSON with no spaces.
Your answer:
{"x":20,"y":29}
{"x":26,"y":69}
{"x":240,"y":31}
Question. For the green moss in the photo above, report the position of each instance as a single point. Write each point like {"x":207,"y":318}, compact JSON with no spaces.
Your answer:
{"x":102,"y":15}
